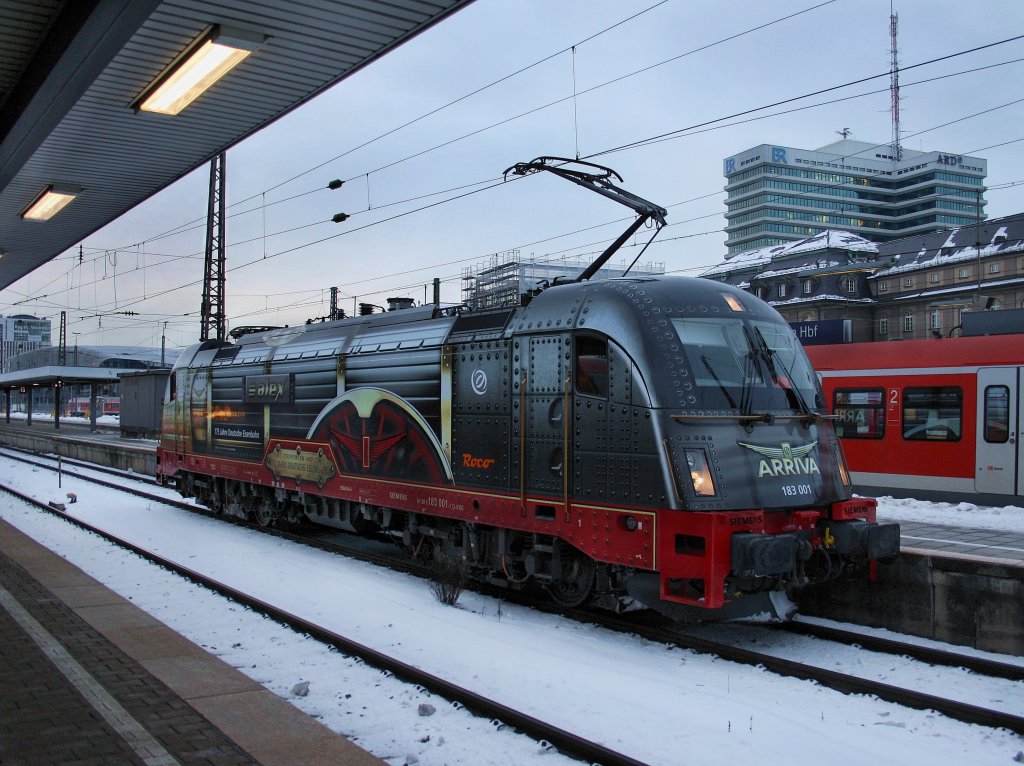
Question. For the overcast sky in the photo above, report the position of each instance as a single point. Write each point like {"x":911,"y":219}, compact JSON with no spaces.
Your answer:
{"x":283,"y":256}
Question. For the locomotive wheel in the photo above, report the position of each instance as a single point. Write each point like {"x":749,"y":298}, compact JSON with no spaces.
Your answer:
{"x":264,"y":514}
{"x":576,"y":579}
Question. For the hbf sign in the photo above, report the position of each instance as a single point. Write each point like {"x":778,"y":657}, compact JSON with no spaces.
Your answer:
{"x":823,"y":331}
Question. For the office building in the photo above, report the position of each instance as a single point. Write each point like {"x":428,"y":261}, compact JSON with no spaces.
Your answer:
{"x":781,"y":194}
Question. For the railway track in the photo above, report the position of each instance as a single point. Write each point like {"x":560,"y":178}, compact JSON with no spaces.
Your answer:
{"x":564,"y":741}
{"x":657,"y":630}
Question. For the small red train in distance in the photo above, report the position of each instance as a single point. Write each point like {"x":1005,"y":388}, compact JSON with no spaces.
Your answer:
{"x":936,"y":419}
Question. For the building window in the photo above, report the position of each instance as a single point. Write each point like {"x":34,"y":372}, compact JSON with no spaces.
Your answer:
{"x":993,"y":268}
{"x":860,"y":413}
{"x":807,"y":287}
{"x":883,"y":324}
{"x":782,"y":290}
{"x":962,"y":274}
{"x":908,"y":322}
{"x":759,"y":292}
{"x":935,"y":320}
{"x":883,"y":286}
{"x":908,"y":281}
{"x":933,"y":278}
{"x":850,"y":285}
{"x":933,"y":413}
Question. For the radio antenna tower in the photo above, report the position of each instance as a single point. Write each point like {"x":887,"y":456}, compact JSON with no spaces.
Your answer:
{"x":894,"y":83}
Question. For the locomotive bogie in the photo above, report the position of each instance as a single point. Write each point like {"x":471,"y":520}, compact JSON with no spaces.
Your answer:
{"x":634,"y":428}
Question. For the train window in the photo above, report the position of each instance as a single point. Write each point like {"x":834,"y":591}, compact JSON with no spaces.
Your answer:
{"x":997,"y":414}
{"x":860,"y":413}
{"x":746,"y":365}
{"x":592,"y":365}
{"x":933,"y":413}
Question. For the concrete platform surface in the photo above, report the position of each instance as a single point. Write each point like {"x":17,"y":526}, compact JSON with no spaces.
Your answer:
{"x":86,"y":677}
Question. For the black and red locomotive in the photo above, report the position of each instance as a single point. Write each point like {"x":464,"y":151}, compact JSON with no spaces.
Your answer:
{"x":653,"y":440}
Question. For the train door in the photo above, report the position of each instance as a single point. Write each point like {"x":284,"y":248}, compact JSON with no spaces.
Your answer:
{"x":545,"y":447}
{"x":1000,"y":462}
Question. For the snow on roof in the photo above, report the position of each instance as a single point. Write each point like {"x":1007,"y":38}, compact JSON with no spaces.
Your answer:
{"x":832,"y":240}
{"x":959,"y":245}
{"x":961,"y":288}
{"x":748,"y":259}
{"x":818,"y":298}
{"x":826,"y":240}
{"x":919,"y":260}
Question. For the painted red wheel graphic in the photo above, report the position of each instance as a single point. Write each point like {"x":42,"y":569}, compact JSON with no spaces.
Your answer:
{"x":387,"y":442}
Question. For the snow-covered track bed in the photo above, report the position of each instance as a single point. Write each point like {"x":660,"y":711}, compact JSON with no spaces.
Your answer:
{"x":47,"y":460}
{"x":734,"y":642}
{"x":501,"y":715}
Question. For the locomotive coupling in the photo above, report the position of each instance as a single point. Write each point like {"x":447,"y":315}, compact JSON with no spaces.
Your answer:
{"x":755,"y":555}
{"x":861,"y":538}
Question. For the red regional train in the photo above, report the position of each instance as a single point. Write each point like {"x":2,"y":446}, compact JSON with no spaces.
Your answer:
{"x":936,"y":419}
{"x":651,"y":440}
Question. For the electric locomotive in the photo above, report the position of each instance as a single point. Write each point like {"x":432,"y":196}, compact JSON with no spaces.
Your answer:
{"x":655,"y":441}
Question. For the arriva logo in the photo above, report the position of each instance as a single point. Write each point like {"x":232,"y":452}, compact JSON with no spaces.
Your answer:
{"x":785,"y":460}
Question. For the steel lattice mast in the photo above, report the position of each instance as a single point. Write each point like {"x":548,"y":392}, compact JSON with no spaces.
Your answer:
{"x":214,"y":311}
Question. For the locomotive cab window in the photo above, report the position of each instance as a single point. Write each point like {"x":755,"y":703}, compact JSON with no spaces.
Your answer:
{"x":997,"y":414}
{"x":592,"y":366}
{"x":934,"y":413}
{"x":860,"y":413}
{"x":747,"y":364}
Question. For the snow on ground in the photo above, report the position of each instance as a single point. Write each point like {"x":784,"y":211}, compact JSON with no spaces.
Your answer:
{"x":660,"y":705}
{"x":1007,"y":519}
{"x":47,"y":417}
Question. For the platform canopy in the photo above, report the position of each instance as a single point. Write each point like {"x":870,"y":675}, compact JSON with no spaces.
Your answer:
{"x":74,"y":74}
{"x":66,"y":375}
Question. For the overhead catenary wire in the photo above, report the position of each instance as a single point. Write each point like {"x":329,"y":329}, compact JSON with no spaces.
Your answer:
{"x":377,"y":223}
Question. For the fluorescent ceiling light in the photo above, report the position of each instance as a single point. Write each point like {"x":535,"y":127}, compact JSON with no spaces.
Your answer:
{"x":50,"y":202}
{"x":213,"y":56}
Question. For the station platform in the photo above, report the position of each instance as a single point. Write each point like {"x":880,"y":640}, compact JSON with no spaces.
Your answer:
{"x":103,"y":446}
{"x":87,"y":678}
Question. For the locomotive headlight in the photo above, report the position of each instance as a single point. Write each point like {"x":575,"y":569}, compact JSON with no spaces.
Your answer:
{"x":700,"y":473}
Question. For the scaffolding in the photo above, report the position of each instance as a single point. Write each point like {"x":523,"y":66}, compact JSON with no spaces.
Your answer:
{"x":503,"y":278}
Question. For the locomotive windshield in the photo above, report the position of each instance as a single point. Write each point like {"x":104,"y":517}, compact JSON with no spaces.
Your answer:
{"x":748,"y":365}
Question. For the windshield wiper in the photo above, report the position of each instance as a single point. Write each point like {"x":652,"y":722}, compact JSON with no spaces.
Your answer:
{"x":792,"y":392}
{"x":721,"y":386}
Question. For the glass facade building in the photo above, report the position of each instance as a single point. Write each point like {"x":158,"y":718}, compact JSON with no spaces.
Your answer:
{"x":780,"y":194}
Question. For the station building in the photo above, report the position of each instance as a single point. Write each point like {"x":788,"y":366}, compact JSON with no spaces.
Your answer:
{"x":20,"y":333}
{"x":88,"y":379}
{"x":781,"y":194}
{"x":917,"y":287}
